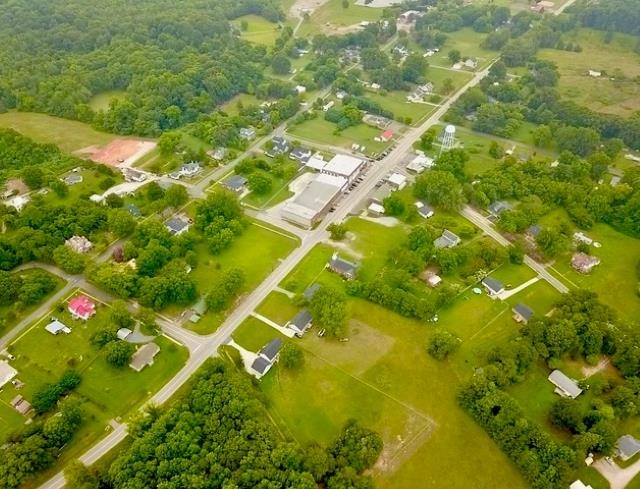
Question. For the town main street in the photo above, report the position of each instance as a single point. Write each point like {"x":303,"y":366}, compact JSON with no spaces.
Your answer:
{"x":207,"y":346}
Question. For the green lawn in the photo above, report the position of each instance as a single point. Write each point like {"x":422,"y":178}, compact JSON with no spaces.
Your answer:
{"x":257,"y":252}
{"x":277,"y":307}
{"x":253,"y":334}
{"x":233,"y":106}
{"x":329,"y":17}
{"x":540,"y":297}
{"x":323,"y":132}
{"x":513,"y":275}
{"x":102,"y":100}
{"x":106,"y":392}
{"x":68,"y":135}
{"x":397,"y":103}
{"x":91,"y":179}
{"x":310,"y":269}
{"x":620,"y":96}
{"x":614,"y":279}
{"x":467,"y":41}
{"x":259,"y":30}
{"x":437,"y":76}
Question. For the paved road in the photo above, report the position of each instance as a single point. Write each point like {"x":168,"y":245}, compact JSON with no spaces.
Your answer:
{"x":207,"y":346}
{"x":486,"y":226}
{"x":617,"y":477}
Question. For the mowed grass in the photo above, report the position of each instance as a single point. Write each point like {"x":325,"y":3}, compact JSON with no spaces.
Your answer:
{"x":620,"y":96}
{"x":467,"y":41}
{"x":277,"y":307}
{"x":437,"y":76}
{"x":256,"y":252}
{"x":540,"y":297}
{"x":614,"y":279}
{"x":312,"y":269}
{"x":68,"y":135}
{"x":321,"y":131}
{"x":259,"y":30}
{"x":253,"y":334}
{"x":397,"y":103}
{"x":332,"y":15}
{"x":102,"y":100}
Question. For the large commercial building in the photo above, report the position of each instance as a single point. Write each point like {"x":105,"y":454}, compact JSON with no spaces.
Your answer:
{"x":343,"y":166}
{"x":313,"y":203}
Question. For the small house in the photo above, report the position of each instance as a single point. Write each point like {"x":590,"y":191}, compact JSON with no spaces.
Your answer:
{"x":470,"y":63}
{"x":565,"y":386}
{"x":279,"y":146}
{"x":79,"y":244}
{"x":431,"y":278}
{"x":131,"y":175}
{"x":341,"y":94}
{"x":447,"y":240}
{"x":176,"y":226}
{"x":492,"y":286}
{"x":386,"y":136}
{"x":420,"y":163}
{"x":580,"y":237}
{"x":375,"y":209}
{"x":381,"y":193}
{"x":81,"y":307}
{"x":247,"y":133}
{"x":583,"y":263}
{"x":18,"y":202}
{"x":300,"y":89}
{"x":236,"y":183}
{"x":7,"y":372}
{"x":21,"y":405}
{"x":344,"y":268}
{"x":123,"y":333}
{"x":424,"y":210}
{"x":300,"y":322}
{"x":595,"y":74}
{"x":310,"y":291}
{"x":397,"y":180}
{"x":266,"y":358}
{"x":144,"y":356}
{"x":218,"y":154}
{"x":300,"y":154}
{"x":190,"y":169}
{"x":133,"y":210}
{"x":626,"y":447}
{"x":55,"y":327}
{"x":578,"y":484}
{"x":73,"y":179}
{"x":522,"y":313}
{"x":498,"y":207}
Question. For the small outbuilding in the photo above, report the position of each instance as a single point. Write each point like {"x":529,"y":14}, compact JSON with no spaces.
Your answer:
{"x":565,"y":386}
{"x":55,"y":327}
{"x":425,"y":210}
{"x":492,"y":286}
{"x":124,"y":333}
{"x":7,"y":372}
{"x":522,"y":313}
{"x":342,"y":267}
{"x":21,"y":405}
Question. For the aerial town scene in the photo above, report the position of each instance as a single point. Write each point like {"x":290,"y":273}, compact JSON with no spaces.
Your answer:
{"x":320,"y":244}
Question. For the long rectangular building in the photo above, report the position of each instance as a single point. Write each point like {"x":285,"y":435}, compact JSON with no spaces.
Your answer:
{"x":314,"y":202}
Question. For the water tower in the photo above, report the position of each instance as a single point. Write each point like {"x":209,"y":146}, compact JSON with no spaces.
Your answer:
{"x":448,"y":138}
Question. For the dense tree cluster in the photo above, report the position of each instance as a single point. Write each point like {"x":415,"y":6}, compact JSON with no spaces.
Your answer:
{"x":160,"y":56}
{"x":25,"y":289}
{"x":218,"y":436}
{"x":220,"y":219}
{"x":615,"y":15}
{"x":48,"y":395}
{"x":328,"y":307}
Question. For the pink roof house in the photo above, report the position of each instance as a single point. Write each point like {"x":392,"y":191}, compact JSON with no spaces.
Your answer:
{"x":386,"y":135}
{"x":81,"y":308}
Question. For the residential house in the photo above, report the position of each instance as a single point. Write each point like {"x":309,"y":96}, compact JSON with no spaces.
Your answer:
{"x":55,"y":327}
{"x":328,"y":105}
{"x":498,"y":207}
{"x":266,"y":358}
{"x":626,"y":447}
{"x":21,"y":405}
{"x":79,"y":244}
{"x":522,"y":313}
{"x":580,"y":237}
{"x":579,"y":485}
{"x":131,"y":175}
{"x":123,"y":333}
{"x":492,"y":286}
{"x":190,"y":169}
{"x":73,"y":179}
{"x":310,"y":291}
{"x":247,"y":133}
{"x":409,"y":16}
{"x":300,"y":322}
{"x":420,"y":163}
{"x":397,"y":180}
{"x":18,"y":202}
{"x":470,"y":63}
{"x":341,"y":94}
{"x":218,"y":154}
{"x":381,"y":193}
{"x":565,"y":386}
{"x":7,"y":372}
{"x":447,"y":240}
{"x":177,"y":225}
{"x":133,"y":210}
{"x":424,"y":210}
{"x":583,"y":263}
{"x":236,"y":183}
{"x":279,"y":146}
{"x":375,"y":210}
{"x":300,"y":154}
{"x":299,"y":89}
{"x":431,"y":278}
{"x":81,"y":307}
{"x":344,"y":268}
{"x":144,"y":356}
{"x":386,"y":136}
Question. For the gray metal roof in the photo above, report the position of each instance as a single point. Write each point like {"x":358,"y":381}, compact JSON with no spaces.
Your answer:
{"x":176,"y":224}
{"x":342,"y":266}
{"x":566,"y":384}
{"x":310,"y":291}
{"x":271,"y":349}
{"x":499,"y":207}
{"x":301,"y":320}
{"x":447,"y":240}
{"x":627,"y":446}
{"x":492,"y":284}
{"x":260,"y":365}
{"x":523,"y":310}
{"x":235,"y":182}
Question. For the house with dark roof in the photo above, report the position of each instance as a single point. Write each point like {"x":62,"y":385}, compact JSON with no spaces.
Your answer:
{"x":266,"y":358}
{"x":342,"y":267}
{"x":236,"y":183}
{"x":498,"y":207}
{"x":300,"y":154}
{"x":144,"y":356}
{"x":310,"y":291}
{"x":492,"y":286}
{"x":300,"y":323}
{"x":424,"y":210}
{"x":133,"y":210}
{"x":247,"y":133}
{"x":522,"y":313}
{"x":533,"y":231}
{"x":626,"y":447}
{"x":565,"y":386}
{"x":176,"y":226}
{"x":279,"y":146}
{"x":73,"y":179}
{"x":447,"y":240}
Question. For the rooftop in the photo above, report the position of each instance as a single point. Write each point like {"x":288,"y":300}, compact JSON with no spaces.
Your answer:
{"x":523,"y":311}
{"x":271,"y":349}
{"x":7,"y":372}
{"x":144,"y":356}
{"x":344,"y":165}
{"x":316,"y":195}
{"x":342,"y":266}
{"x":176,"y":225}
{"x":565,"y":384}
{"x":627,"y":446}
{"x":310,"y":291}
{"x":301,"y":319}
{"x":236,"y":182}
{"x":495,"y":286}
{"x":260,"y":365}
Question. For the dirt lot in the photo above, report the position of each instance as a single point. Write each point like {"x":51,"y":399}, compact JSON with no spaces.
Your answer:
{"x":300,"y":7}
{"x":120,"y":152}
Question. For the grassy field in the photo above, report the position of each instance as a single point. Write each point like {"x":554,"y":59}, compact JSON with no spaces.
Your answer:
{"x":257,"y":261}
{"x":619,"y":96}
{"x":311,"y":269}
{"x":513,"y":275}
{"x":102,"y":100}
{"x":332,"y":16}
{"x":106,"y":392}
{"x":253,"y":334}
{"x":91,"y":179}
{"x":277,"y":307}
{"x":540,"y":297}
{"x":68,"y":135}
{"x":259,"y":30}
{"x":397,"y":103}
{"x":10,"y":316}
{"x":467,"y":41}
{"x":614,"y":279}
{"x":321,"y":131}
{"x":437,"y":76}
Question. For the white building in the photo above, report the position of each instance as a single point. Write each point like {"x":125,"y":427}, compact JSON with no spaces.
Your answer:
{"x":313,"y":203}
{"x":420,"y":163}
{"x":397,"y":180}
{"x":18,"y":202}
{"x":344,"y":166}
{"x":79,"y":244}
{"x":7,"y":372}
